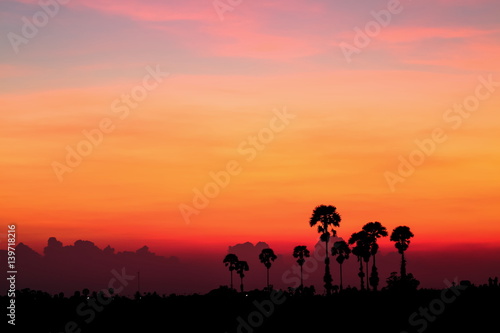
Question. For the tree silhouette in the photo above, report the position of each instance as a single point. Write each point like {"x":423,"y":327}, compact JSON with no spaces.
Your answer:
{"x":341,"y":250}
{"x":374,"y":230}
{"x":399,"y":284}
{"x":265,"y":257}
{"x":230,"y":261}
{"x":301,"y":252}
{"x":362,"y":251}
{"x":241,"y":267}
{"x":401,"y":236}
{"x":325,"y":217}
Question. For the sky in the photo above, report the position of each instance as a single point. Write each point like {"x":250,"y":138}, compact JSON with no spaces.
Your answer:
{"x":190,"y":126}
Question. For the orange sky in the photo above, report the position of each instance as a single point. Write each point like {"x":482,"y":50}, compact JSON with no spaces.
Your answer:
{"x":352,"y":121}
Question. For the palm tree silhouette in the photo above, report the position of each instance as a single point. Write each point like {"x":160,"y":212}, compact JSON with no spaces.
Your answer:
{"x":230,"y":261}
{"x":241,"y":267}
{"x":301,"y":252}
{"x":325,"y":217}
{"x":265,"y":257}
{"x":342,"y":251}
{"x":362,"y":251}
{"x":401,"y":236}
{"x":374,"y":230}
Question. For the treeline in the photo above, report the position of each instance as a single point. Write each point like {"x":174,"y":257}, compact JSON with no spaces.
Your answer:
{"x":474,"y":309}
{"x":362,"y":244}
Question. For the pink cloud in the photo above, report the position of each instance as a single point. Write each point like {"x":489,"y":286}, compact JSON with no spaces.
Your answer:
{"x":476,"y":51}
{"x":153,"y":10}
{"x":462,"y":2}
{"x":158,"y":10}
{"x":247,"y":40}
{"x":412,"y":34}
{"x":244,"y":33}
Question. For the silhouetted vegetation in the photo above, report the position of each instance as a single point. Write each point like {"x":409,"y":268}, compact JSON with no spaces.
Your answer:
{"x":326,"y":217}
{"x":224,"y":310}
{"x":362,"y":251}
{"x":266,"y":257}
{"x":301,"y":252}
{"x":374,"y":230}
{"x":342,"y":251}
{"x":241,"y":267}
{"x":401,"y":236}
{"x":230,"y":261}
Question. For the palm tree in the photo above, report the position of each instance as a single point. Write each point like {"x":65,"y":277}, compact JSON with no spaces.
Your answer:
{"x":325,"y":217}
{"x":301,"y":252}
{"x":401,"y":236}
{"x":374,"y":230}
{"x":241,"y":267}
{"x":362,"y":252}
{"x":230,"y":261}
{"x":265,"y":257}
{"x":342,"y":251}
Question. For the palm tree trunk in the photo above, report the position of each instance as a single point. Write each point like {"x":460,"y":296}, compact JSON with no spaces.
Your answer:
{"x":361,"y":274}
{"x":374,"y":275}
{"x":301,"y":279}
{"x":328,"y":276}
{"x":367,"y":282}
{"x":231,"y":279}
{"x":403,"y":265}
{"x":341,"y":287}
{"x":268,"y":279}
{"x":241,"y":285}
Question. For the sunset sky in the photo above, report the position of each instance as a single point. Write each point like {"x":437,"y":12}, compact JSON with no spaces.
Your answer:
{"x":228,"y":75}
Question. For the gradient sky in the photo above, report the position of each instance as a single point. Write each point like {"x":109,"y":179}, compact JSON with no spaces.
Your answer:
{"x":353,"y":121}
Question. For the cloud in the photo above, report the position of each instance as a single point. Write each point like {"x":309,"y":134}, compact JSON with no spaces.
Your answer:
{"x":247,"y":250}
{"x":84,"y":265}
